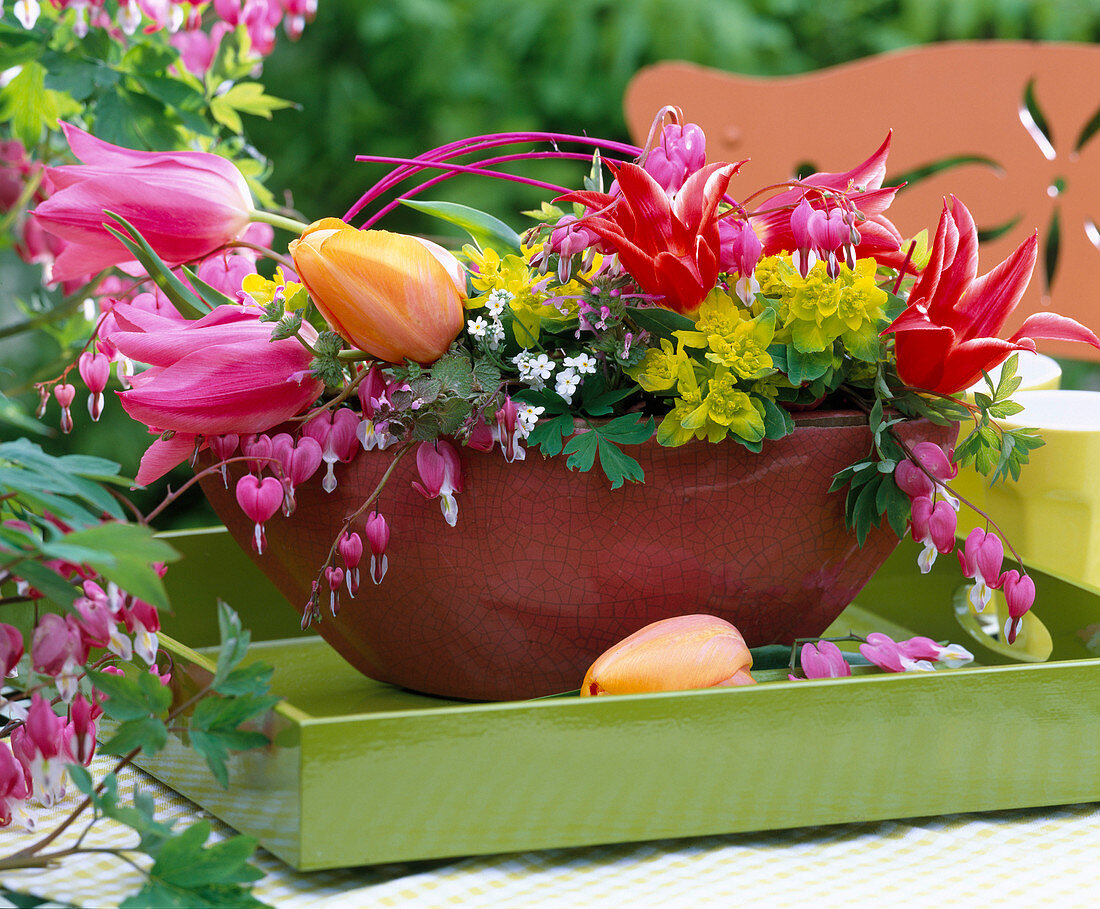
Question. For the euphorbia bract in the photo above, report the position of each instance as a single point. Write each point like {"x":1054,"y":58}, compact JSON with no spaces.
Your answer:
{"x":394,"y":296}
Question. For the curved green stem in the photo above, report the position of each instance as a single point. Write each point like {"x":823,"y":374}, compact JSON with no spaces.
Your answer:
{"x":276,"y":220}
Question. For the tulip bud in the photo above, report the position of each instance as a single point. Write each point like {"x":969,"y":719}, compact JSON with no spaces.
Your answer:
{"x":393,"y":296}
{"x":687,"y":651}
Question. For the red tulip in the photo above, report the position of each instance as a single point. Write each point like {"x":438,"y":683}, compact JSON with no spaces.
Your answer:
{"x":684,"y":652}
{"x":670,"y":246}
{"x":945,"y":337}
{"x":394,"y":296}
{"x":185,"y":204}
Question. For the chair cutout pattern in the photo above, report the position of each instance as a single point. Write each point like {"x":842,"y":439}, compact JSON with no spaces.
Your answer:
{"x":1011,"y":128}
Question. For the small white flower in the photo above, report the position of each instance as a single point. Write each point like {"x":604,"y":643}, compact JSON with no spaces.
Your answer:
{"x":497,"y":300}
{"x":528,"y":416}
{"x":542,"y":367}
{"x":497,"y":335}
{"x":583,"y":363}
{"x":567,"y":383}
{"x":523,"y":365}
{"x":478,"y":327}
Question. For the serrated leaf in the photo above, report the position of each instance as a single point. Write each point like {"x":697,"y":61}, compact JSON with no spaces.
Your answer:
{"x":127,"y":698}
{"x":629,"y":429}
{"x":234,"y":640}
{"x":485,"y":230}
{"x":487,"y":375}
{"x":550,"y":434}
{"x":582,"y":451}
{"x":252,"y":679}
{"x":148,"y":733}
{"x":618,"y":466}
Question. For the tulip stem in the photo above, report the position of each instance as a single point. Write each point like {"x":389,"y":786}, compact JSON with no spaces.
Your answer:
{"x":293,"y":225}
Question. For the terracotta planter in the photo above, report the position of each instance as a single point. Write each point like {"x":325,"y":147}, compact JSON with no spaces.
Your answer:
{"x":547,"y":568}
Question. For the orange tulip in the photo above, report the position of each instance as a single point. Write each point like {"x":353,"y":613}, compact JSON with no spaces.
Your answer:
{"x":392,"y":296}
{"x":687,"y":651}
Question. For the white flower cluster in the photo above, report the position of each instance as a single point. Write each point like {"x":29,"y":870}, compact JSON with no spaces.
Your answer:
{"x":536,"y":370}
{"x":491,"y":331}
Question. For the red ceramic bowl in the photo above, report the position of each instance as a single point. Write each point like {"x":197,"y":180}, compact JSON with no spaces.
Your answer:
{"x":547,"y":568}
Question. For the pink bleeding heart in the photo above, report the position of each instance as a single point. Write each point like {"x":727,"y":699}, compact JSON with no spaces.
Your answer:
{"x":259,"y":500}
{"x":259,"y":449}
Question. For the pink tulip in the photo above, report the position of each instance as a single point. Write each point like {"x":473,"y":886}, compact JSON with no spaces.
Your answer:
{"x":185,"y":204}
{"x":220,"y":374}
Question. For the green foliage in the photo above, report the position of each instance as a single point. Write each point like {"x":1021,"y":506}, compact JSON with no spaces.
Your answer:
{"x":33,"y":483}
{"x":484,"y":229}
{"x":996,"y":451}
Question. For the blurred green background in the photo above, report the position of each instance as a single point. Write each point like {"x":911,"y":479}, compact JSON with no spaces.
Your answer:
{"x":397,"y":77}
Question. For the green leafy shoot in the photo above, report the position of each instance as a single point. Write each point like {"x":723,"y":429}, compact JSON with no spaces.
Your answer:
{"x":994,"y":450}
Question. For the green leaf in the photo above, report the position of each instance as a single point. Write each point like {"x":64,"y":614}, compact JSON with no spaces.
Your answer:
{"x":805,"y":367}
{"x":629,"y":429}
{"x":618,"y":466}
{"x":550,"y":434}
{"x":456,"y":373}
{"x":187,"y":873}
{"x":30,"y":107}
{"x":247,"y":98}
{"x":130,"y":698}
{"x":234,"y":643}
{"x":148,"y":733}
{"x":582,"y":451}
{"x":187,"y":303}
{"x":18,"y":46}
{"x":486,"y":230}
{"x":51,"y":584}
{"x":661,"y":323}
{"x":210,"y":295}
{"x":777,"y":421}
{"x":125,"y":553}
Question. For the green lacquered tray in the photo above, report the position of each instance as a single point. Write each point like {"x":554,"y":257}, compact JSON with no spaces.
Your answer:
{"x":362,"y":773}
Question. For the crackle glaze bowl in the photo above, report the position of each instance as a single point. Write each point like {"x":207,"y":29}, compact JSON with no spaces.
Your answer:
{"x":547,"y":568}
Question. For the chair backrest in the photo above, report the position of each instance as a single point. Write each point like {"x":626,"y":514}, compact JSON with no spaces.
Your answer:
{"x":1011,"y":128}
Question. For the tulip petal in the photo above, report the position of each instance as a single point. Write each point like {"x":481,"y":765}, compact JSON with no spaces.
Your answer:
{"x":1052,"y":327}
{"x":163,"y":455}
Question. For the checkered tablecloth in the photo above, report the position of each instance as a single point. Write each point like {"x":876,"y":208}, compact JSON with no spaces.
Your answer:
{"x":1034,"y":857}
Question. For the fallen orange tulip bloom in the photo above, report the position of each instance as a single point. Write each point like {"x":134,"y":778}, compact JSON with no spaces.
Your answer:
{"x":393,"y":296}
{"x":684,"y":652}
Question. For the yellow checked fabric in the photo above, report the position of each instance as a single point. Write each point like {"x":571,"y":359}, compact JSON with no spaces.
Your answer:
{"x":1045,"y":856}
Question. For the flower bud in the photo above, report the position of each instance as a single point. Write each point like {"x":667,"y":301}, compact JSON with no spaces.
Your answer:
{"x":394,"y":296}
{"x":687,"y":651}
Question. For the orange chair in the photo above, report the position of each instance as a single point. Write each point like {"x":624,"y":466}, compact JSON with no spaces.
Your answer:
{"x":1008,"y":127}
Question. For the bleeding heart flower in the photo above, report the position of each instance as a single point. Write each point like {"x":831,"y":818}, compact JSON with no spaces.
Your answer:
{"x":441,"y":473}
{"x":259,"y":500}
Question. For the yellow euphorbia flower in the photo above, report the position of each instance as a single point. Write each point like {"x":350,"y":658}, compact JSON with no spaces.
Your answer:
{"x":659,"y":369}
{"x":732,"y":337}
{"x":262,"y":289}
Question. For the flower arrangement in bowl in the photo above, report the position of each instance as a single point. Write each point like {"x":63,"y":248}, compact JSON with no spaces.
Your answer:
{"x":670,"y":395}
